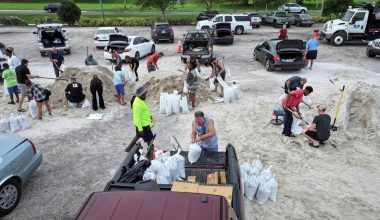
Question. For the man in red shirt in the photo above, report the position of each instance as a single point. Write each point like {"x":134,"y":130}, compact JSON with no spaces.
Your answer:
{"x":290,"y":104}
{"x":283,"y":33}
{"x":152,"y":61}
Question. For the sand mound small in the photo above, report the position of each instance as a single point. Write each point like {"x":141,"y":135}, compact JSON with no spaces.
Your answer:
{"x":84,"y":76}
{"x":363,"y":111}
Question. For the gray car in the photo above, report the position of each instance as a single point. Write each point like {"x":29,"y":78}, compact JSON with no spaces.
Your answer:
{"x":19,"y":158}
{"x":373,"y":48}
{"x":303,"y":20}
{"x":293,"y":8}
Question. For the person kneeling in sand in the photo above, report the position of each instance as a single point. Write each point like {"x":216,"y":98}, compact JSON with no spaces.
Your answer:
{"x":319,"y":130}
{"x":74,"y":93}
{"x":204,"y":133}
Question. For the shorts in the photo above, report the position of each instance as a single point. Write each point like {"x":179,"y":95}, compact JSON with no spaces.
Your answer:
{"x":313,"y":135}
{"x":120,"y":89}
{"x":311,"y":55}
{"x":148,"y":134}
{"x":151,"y":68}
{"x":23,"y":90}
{"x":13,"y":90}
{"x":71,"y":99}
{"x":223,"y":76}
{"x":43,"y":100}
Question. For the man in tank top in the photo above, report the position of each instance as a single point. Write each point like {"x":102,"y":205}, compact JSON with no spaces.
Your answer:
{"x":204,"y":133}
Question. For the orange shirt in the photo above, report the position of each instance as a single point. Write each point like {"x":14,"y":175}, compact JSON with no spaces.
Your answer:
{"x":294,"y":100}
{"x":154,"y":57}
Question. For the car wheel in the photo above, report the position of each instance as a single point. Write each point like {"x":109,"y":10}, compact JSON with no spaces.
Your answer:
{"x":137,"y":56}
{"x":302,"y":11}
{"x":42,"y":54}
{"x":68,"y":51}
{"x":288,"y":26}
{"x":172,"y":40}
{"x":255,"y":56}
{"x":274,"y":23}
{"x":268,"y":63}
{"x":205,"y":28}
{"x":338,"y":39}
{"x":257,"y":26}
{"x":239,"y":30}
{"x":297,"y":23}
{"x":369,"y":54}
{"x":10,"y":194}
{"x":153,"y":50}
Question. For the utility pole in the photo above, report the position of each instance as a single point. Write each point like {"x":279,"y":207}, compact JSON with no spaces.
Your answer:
{"x":101,"y":7}
{"x":323,"y":4}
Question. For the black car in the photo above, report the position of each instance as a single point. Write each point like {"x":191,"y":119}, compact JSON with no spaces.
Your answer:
{"x":222,"y":33}
{"x":162,"y":31}
{"x":52,"y":8}
{"x":205,"y":15}
{"x":373,"y":48}
{"x":283,"y":54}
{"x":303,"y":20}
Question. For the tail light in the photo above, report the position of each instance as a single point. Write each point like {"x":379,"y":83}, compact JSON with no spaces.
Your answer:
{"x":3,"y":59}
{"x":127,"y":49}
{"x":276,"y":58}
{"x":96,"y":38}
{"x":34,"y":147}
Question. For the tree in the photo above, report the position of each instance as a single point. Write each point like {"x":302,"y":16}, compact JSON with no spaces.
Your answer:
{"x":69,"y":12}
{"x":300,"y":2}
{"x":335,"y":6}
{"x":162,"y":5}
{"x":207,"y":3}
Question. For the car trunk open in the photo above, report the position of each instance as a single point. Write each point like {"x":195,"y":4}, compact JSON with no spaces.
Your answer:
{"x":196,"y":47}
{"x":290,"y":44}
{"x":52,"y":38}
{"x":222,"y":30}
{"x":117,"y":42}
{"x":290,"y":55}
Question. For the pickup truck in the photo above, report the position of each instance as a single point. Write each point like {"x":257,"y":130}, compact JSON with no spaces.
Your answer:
{"x":197,"y":44}
{"x":278,"y":18}
{"x":149,"y":200}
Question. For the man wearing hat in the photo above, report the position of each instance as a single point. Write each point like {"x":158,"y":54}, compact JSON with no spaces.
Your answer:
{"x":74,"y":92}
{"x":142,"y":120}
{"x":319,"y":130}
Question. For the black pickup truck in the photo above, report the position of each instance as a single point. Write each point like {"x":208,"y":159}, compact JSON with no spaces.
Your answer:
{"x":149,"y":200}
{"x":197,"y":44}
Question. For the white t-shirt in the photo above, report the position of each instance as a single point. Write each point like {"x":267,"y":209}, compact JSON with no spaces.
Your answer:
{"x":14,"y":62}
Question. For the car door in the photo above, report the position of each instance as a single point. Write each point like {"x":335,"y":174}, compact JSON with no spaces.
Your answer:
{"x":263,"y":51}
{"x":145,"y":45}
{"x":137,"y":46}
{"x":358,"y":23}
{"x":217,"y":19}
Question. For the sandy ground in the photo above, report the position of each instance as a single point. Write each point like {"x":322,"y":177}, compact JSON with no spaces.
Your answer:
{"x":337,"y":181}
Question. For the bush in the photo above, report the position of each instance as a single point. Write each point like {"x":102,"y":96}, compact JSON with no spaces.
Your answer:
{"x":336,"y":6}
{"x":69,"y":12}
{"x":45,"y":20}
{"x":320,"y":19}
{"x":13,"y":21}
{"x":132,"y":21}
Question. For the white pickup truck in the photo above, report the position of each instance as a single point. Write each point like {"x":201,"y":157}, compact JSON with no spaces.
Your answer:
{"x":240,"y":23}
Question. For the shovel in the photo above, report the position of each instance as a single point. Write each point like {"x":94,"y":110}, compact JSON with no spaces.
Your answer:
{"x":300,"y":118}
{"x":52,"y":78}
{"x":333,"y":127}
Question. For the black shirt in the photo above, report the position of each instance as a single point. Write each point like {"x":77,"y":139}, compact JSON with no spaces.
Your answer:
{"x":134,"y":62}
{"x":75,"y":92}
{"x":323,"y":126}
{"x":96,"y":84}
{"x":294,"y":83}
{"x":21,"y":72}
{"x":57,"y":56}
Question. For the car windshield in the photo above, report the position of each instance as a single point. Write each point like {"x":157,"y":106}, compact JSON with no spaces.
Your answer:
{"x":163,"y":26}
{"x":281,"y":14}
{"x":347,"y":16}
{"x":106,"y":31}
{"x":305,"y":16}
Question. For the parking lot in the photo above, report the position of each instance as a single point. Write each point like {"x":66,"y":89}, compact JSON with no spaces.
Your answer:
{"x":327,"y":183}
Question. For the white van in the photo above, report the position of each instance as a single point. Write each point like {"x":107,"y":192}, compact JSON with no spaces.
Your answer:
{"x":240,"y":23}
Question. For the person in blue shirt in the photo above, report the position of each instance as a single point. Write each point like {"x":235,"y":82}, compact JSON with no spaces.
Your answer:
{"x":119,"y":82}
{"x":311,"y":51}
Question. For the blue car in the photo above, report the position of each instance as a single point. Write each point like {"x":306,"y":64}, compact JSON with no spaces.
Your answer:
{"x":19,"y":158}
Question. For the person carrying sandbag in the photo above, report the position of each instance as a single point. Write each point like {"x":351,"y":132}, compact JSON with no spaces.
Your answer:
{"x":40,"y":95}
{"x":204,"y":132}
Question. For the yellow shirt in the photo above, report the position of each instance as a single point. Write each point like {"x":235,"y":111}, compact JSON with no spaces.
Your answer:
{"x":141,"y":114}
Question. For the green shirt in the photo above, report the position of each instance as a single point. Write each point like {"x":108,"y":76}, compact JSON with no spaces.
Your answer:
{"x":10,"y":76}
{"x":141,"y":114}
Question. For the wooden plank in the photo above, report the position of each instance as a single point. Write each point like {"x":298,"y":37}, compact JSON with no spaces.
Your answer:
{"x":184,"y":187}
{"x":192,"y":179}
{"x":212,"y":179}
{"x":225,"y":191}
{"x":216,"y":177}
{"x":223,"y":179}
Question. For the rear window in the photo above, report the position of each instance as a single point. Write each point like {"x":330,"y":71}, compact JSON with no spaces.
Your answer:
{"x":305,"y":16}
{"x":242,"y":18}
{"x":197,"y":36}
{"x":106,"y":31}
{"x":281,"y":14}
{"x":162,"y":26}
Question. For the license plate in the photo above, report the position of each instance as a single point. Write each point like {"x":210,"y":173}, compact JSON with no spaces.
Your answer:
{"x":163,"y":32}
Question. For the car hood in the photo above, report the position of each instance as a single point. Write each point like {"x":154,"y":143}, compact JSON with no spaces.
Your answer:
{"x":337,"y":22}
{"x":9,"y":142}
{"x":118,"y":37}
{"x":290,"y":44}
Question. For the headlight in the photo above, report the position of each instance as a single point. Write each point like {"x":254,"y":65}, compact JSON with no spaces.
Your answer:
{"x":370,"y":43}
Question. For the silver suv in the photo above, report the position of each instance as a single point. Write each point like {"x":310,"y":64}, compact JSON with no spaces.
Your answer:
{"x":293,"y":8}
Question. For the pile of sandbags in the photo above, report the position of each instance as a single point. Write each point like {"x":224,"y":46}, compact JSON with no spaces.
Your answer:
{"x":231,"y":93}
{"x":165,"y":168}
{"x":173,"y":104}
{"x":258,"y":183}
{"x":14,"y":123}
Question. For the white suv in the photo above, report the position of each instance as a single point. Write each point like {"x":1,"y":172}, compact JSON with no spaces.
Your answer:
{"x":240,"y":23}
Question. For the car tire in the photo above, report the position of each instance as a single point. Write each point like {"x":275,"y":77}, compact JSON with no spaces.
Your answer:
{"x":274,"y":23}
{"x":205,"y":28}
{"x":369,"y":54}
{"x":338,"y":39}
{"x":153,"y":49}
{"x":257,"y":26}
{"x":68,"y":51}
{"x":137,"y":55}
{"x":11,"y":188}
{"x":302,"y":11}
{"x":42,"y":54}
{"x":239,"y":30}
{"x":267,"y":65}
{"x":297,"y":23}
{"x":288,"y":26}
{"x":255,"y":56}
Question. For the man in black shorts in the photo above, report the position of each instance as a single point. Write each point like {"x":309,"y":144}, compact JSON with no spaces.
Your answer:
{"x":74,"y":93}
{"x":311,"y":51}
{"x":319,"y":130}
{"x":217,"y":70}
{"x":133,"y":64}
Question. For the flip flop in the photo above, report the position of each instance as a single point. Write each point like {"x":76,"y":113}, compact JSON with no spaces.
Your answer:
{"x":21,"y":110}
{"x":312,"y":145}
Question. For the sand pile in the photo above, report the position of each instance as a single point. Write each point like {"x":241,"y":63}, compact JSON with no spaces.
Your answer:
{"x":159,"y":82}
{"x":363,"y":112}
{"x":84,"y":76}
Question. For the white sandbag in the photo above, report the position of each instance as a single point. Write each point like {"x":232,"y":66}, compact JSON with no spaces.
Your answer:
{"x":296,"y":128}
{"x":257,"y":166}
{"x":185,"y":90}
{"x":161,"y":172}
{"x":263,"y":192}
{"x":149,"y":175}
{"x":23,"y":122}
{"x":266,"y":175}
{"x":245,"y":167}
{"x":33,"y":108}
{"x":184,"y":105}
{"x":194,"y":152}
{"x":251,"y":186}
{"x":62,"y":67}
{"x":243,"y":181}
{"x":176,"y":104}
{"x":273,"y":189}
{"x":86,"y":103}
{"x":4,"y":125}
{"x":13,"y":124}
{"x":139,"y":156}
{"x":211,"y":82}
{"x":131,"y":76}
{"x":163,"y":103}
{"x":71,"y":104}
{"x":169,"y":105}
{"x":171,"y":165}
{"x":180,"y":164}
{"x":175,"y":92}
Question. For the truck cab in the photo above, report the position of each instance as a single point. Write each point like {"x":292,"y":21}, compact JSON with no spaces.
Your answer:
{"x":355,"y":25}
